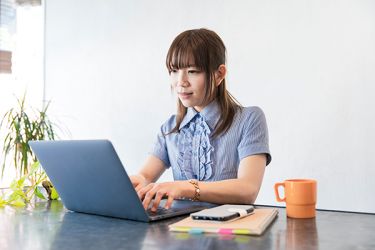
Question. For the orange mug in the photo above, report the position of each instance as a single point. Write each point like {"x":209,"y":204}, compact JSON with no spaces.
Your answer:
{"x":300,"y":197}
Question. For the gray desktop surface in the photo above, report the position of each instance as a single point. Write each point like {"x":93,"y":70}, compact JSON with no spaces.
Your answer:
{"x":48,"y":225}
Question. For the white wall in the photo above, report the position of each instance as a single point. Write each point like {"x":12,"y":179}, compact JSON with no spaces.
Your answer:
{"x":308,"y":64}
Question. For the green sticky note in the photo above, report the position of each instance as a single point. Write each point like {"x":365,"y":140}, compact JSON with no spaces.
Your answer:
{"x":54,"y":194}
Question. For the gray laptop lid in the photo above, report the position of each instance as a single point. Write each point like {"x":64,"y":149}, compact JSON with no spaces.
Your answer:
{"x":90,"y":178}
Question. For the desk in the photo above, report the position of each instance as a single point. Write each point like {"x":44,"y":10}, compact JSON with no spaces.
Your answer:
{"x":48,"y":225}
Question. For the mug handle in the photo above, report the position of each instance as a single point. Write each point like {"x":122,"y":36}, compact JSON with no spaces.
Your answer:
{"x":276,"y":187}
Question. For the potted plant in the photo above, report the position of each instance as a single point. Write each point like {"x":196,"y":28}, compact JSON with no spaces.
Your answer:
{"x":19,"y":127}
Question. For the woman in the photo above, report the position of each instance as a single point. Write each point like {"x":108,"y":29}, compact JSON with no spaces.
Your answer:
{"x":217,"y":149}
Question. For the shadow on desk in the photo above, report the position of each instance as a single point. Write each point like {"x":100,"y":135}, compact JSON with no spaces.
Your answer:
{"x":159,"y":237}
{"x":83,"y":231}
{"x":299,"y":234}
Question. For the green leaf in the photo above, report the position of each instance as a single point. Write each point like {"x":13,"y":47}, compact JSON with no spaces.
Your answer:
{"x":2,"y":202}
{"x":34,"y":167}
{"x":21,"y":182}
{"x":14,"y":185}
{"x":17,"y":194}
{"x":18,"y":203}
{"x":54,"y":194}
{"x":39,"y":194}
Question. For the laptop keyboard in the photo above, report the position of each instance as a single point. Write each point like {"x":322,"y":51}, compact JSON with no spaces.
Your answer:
{"x":161,"y":211}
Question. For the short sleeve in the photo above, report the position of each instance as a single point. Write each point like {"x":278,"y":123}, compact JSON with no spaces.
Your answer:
{"x":254,"y":139}
{"x":160,"y":147}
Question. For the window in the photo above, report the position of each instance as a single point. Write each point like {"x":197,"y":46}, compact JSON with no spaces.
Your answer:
{"x":21,"y":57}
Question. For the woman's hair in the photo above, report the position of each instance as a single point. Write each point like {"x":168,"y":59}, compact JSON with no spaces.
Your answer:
{"x":204,"y":50}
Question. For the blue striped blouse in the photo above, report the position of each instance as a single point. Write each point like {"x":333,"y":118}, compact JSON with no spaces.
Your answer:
{"x":194,"y":154}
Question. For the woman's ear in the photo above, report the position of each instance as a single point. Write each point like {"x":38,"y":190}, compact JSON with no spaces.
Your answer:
{"x":220,"y":74}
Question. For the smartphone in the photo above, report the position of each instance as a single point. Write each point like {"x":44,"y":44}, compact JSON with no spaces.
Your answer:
{"x":223,"y":213}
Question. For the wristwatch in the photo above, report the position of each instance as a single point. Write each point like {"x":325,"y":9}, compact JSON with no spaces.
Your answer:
{"x":197,"y":193}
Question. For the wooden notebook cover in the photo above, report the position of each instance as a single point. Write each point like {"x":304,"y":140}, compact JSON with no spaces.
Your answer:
{"x":254,"y":224}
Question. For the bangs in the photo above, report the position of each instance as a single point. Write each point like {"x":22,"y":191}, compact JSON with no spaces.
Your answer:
{"x":182,"y":58}
{"x":186,"y":52}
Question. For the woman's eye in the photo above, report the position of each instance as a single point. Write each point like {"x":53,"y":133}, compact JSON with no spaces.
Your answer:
{"x":173,"y":70}
{"x":193,"y":71}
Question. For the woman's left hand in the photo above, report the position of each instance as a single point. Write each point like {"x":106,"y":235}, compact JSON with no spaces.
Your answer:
{"x":156,"y":191}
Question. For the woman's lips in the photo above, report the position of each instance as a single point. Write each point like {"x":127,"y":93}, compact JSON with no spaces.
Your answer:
{"x":184,"y":95}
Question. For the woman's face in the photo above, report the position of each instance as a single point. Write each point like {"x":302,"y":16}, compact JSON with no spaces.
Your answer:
{"x":189,"y":85}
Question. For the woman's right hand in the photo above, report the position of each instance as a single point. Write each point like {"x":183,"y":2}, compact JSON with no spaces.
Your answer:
{"x":150,"y":172}
{"x":138,"y":182}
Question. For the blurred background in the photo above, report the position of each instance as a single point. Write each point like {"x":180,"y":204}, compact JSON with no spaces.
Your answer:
{"x":308,"y":64}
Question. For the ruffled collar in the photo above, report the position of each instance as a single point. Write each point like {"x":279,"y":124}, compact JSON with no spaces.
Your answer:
{"x":210,"y":113}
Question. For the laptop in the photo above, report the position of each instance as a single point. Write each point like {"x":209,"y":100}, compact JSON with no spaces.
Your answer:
{"x":90,"y":178}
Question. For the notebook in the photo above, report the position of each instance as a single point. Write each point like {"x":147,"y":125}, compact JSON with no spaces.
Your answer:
{"x":90,"y":178}
{"x":254,"y":224}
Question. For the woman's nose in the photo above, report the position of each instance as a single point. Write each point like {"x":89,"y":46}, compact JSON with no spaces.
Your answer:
{"x":182,"y":79}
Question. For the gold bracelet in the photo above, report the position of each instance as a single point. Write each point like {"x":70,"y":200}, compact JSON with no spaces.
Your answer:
{"x":197,"y":193}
